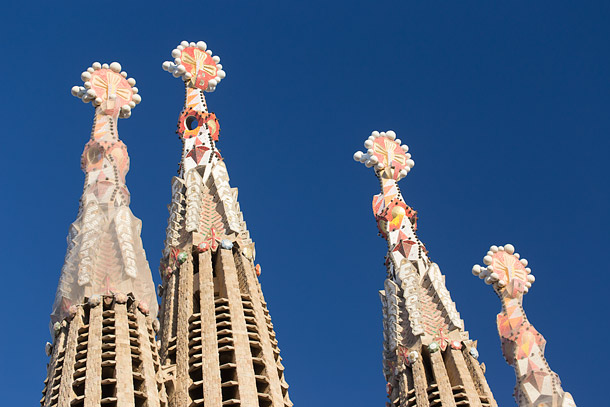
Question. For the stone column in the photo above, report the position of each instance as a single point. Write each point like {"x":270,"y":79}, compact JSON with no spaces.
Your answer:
{"x":185,"y":302}
{"x":93,"y":378}
{"x":148,"y":366}
{"x":212,"y":393}
{"x":65,"y":390}
{"x":124,"y":374}
{"x":263,"y":332}
{"x":456,"y":365}
{"x":243,"y":356}
{"x":442,"y":380}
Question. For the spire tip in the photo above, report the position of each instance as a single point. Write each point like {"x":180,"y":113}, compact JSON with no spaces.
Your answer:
{"x":196,"y":65}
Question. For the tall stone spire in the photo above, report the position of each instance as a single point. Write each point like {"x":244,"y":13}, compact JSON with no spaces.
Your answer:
{"x":104,"y":350}
{"x":522,"y":346}
{"x":428,"y":358}
{"x":216,"y":333}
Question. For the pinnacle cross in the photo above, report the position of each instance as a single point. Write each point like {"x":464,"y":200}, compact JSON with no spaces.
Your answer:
{"x":522,"y":345}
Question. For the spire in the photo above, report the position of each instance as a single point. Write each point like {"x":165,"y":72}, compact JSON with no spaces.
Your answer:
{"x":217,"y":340}
{"x":522,"y":345}
{"x":428,"y":358}
{"x":104,"y":351}
{"x":105,"y":253}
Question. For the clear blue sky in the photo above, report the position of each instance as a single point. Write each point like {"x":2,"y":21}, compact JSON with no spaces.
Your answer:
{"x":505,"y":106}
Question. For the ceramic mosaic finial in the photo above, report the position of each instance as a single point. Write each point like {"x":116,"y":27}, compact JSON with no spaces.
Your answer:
{"x":522,"y":345}
{"x":108,"y":87}
{"x":196,"y":65}
{"x":421,"y":324}
{"x":386,"y":153}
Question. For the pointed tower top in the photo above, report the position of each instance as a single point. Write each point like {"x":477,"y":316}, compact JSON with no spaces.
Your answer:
{"x":522,"y":345}
{"x":196,"y":65}
{"x":105,"y":255}
{"x":387,"y":155}
{"x":107,"y":86}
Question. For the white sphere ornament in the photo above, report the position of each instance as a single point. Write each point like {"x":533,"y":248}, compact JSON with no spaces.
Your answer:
{"x":487,"y":260}
{"x":74,"y":90}
{"x":201,"y":45}
{"x":510,"y":249}
{"x":476,"y":269}
{"x":131,"y":82}
{"x":176,"y":53}
{"x":136,"y":98}
{"x":105,"y":66}
{"x":357,"y":154}
{"x":96,"y":66}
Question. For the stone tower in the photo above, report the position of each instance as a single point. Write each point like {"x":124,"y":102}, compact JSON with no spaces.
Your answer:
{"x":104,"y":351}
{"x":522,"y":345}
{"x":428,"y":358}
{"x":216,"y":333}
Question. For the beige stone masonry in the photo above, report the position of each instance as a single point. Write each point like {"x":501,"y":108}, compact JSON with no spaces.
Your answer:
{"x":148,"y":371}
{"x":243,"y":356}
{"x":210,"y":364}
{"x":265,"y":340}
{"x":184,"y":310}
{"x":442,"y":380}
{"x":66,"y":392}
{"x":459,"y":375}
{"x":124,"y":382}
{"x":93,"y":380}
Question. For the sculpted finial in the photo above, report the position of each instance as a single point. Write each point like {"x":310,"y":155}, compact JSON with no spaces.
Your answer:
{"x":196,"y":65}
{"x":108,"y":87}
{"x":387,"y":155}
{"x":506,"y":271}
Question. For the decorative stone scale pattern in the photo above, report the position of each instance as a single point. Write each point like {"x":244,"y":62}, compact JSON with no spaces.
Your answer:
{"x":105,"y":252}
{"x":428,"y":358}
{"x":217,"y":340}
{"x":522,"y":346}
{"x":104,"y":350}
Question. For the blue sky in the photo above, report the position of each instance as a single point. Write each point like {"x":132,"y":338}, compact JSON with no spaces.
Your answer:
{"x":505,"y":108}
